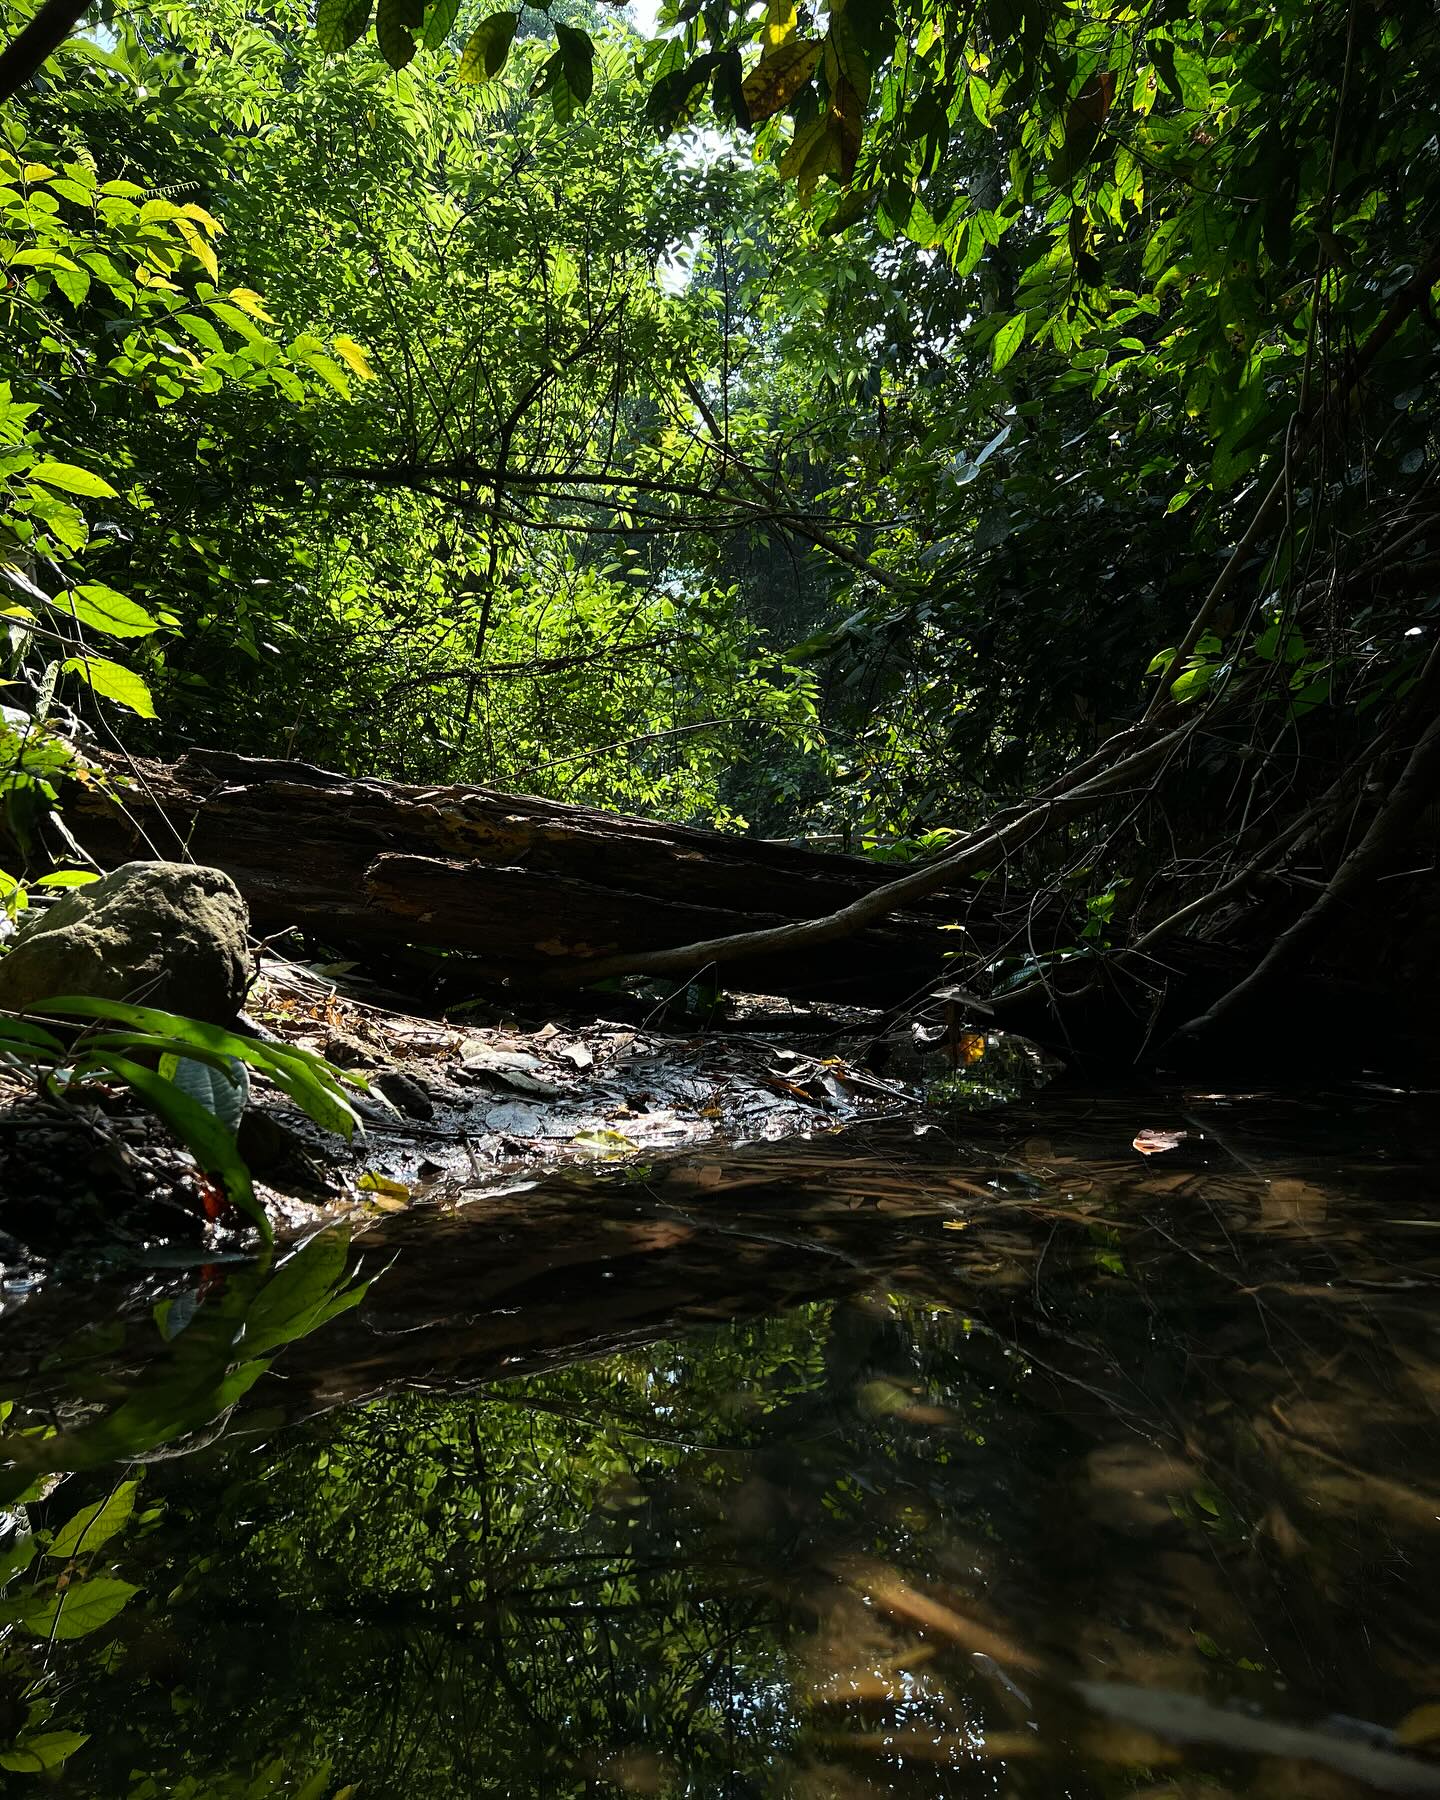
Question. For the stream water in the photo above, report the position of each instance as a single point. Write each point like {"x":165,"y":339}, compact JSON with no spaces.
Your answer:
{"x":974,"y":1455}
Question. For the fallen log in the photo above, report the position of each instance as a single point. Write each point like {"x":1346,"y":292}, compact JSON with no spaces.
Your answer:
{"x":531,"y":889}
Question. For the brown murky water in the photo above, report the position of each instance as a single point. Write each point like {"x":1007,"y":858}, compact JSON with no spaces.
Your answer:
{"x":981,"y":1455}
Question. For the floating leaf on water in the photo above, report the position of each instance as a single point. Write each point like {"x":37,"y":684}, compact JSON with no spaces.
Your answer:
{"x":381,"y":1191}
{"x":516,"y":1068}
{"x":1154,"y":1142}
{"x":604,"y":1141}
{"x":1422,"y":1726}
{"x":1180,"y":1718}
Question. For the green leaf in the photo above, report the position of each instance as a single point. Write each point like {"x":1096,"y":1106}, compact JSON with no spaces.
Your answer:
{"x":17,"y":1556}
{"x":46,"y":1751}
{"x":484,"y":56}
{"x":340,"y":23}
{"x":1008,"y":340}
{"x":311,"y":1082}
{"x":439,"y":23}
{"x":396,"y":22}
{"x":577,"y":58}
{"x":74,"y":284}
{"x":79,"y":1609}
{"x":203,"y":1135}
{"x":236,"y":320}
{"x":71,"y":480}
{"x":674,"y":97}
{"x":327,"y":368}
{"x":67,"y":878}
{"x":1194,"y":681}
{"x":223,"y":1092}
{"x":305,"y":1285}
{"x":113,"y":681}
{"x":21,"y":1031}
{"x":203,"y":332}
{"x":95,"y":1525}
{"x":102,"y":609}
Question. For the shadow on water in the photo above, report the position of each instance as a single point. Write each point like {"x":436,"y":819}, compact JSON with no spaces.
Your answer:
{"x":990,"y":1456}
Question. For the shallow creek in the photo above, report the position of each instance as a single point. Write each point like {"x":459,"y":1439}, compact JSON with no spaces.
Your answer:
{"x":969,"y":1454}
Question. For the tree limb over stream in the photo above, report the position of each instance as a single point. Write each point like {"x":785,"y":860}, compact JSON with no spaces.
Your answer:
{"x":543,"y":895}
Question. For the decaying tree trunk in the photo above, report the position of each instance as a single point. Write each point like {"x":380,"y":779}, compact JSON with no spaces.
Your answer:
{"x":528,"y":887}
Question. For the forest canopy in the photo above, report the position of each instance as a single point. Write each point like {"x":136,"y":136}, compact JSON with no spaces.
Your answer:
{"x":828,"y":421}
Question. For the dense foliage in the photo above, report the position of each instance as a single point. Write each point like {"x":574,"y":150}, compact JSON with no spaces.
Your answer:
{"x":471,"y":403}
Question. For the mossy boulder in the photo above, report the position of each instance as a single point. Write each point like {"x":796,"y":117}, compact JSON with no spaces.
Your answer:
{"x":164,"y":934}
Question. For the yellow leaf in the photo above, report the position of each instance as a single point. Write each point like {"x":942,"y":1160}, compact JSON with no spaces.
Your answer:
{"x":354,"y":358}
{"x":250,"y":302}
{"x":777,"y":78}
{"x":39,"y":172}
{"x":199,"y":248}
{"x":381,"y":1191}
{"x":780,"y":23}
{"x":201,"y":217}
{"x":1420,"y":1727}
{"x":603,"y":1141}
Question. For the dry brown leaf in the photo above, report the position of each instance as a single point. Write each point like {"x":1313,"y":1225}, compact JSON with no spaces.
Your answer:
{"x":1154,"y":1142}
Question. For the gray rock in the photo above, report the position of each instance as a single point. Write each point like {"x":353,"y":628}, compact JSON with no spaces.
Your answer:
{"x":164,"y":934}
{"x":405,"y":1093}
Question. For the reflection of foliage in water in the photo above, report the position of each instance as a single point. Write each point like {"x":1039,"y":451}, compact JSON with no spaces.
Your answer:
{"x":868,"y":1543}
{"x":623,"y":1566}
{"x":59,"y":1575}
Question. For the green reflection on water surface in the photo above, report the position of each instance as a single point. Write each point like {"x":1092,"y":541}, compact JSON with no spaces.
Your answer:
{"x":991,"y":1422}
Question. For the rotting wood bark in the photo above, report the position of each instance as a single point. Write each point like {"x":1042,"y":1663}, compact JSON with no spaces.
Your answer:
{"x":537,"y":892}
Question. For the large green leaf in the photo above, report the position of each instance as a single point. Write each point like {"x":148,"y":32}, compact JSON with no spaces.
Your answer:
{"x":94,"y":604}
{"x":305,"y":1287}
{"x":71,"y":480}
{"x":673,"y":97}
{"x":577,"y":58}
{"x":86,"y":1530}
{"x":45,"y":1750}
{"x":439,"y":23}
{"x":1008,"y":340}
{"x":484,"y":56}
{"x":79,"y":1609}
{"x":778,"y":78}
{"x":313,"y":1084}
{"x":113,"y":681}
{"x":340,"y":23}
{"x":202,"y":1134}
{"x":396,"y":22}
{"x":222,"y":1090}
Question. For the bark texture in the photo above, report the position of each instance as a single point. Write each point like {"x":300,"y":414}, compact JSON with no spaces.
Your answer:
{"x":529,"y":887}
